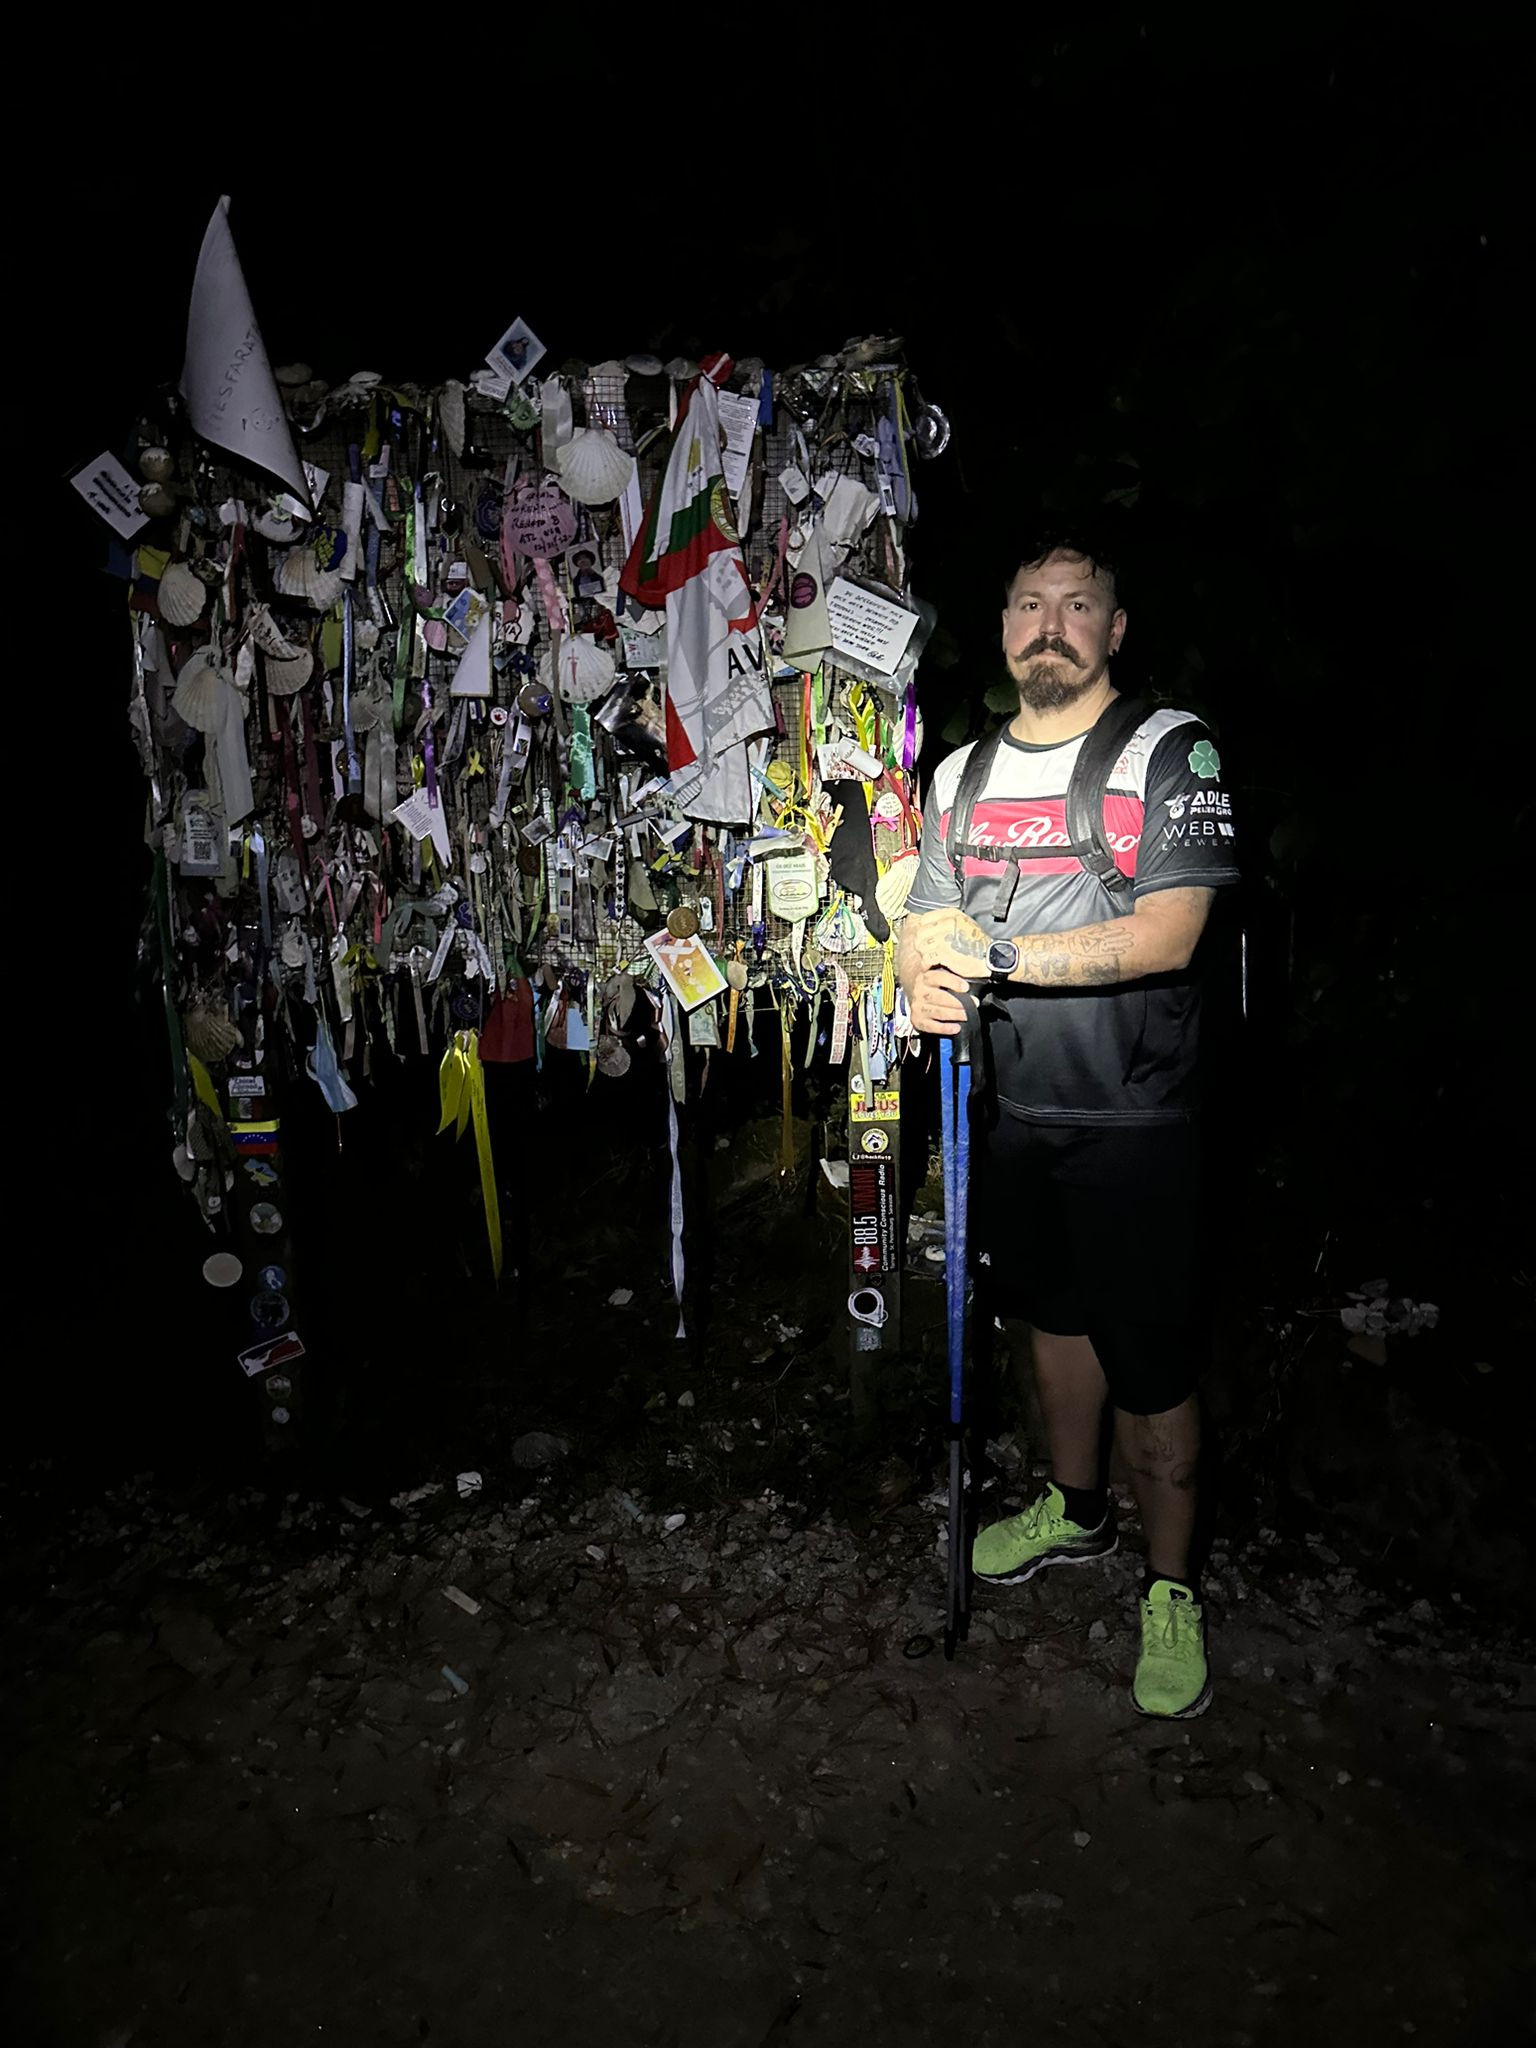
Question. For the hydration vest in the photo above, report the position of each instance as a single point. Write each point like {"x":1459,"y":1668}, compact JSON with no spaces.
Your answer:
{"x":1102,"y":746}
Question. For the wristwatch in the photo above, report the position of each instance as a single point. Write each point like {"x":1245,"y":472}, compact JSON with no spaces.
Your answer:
{"x":1002,"y":958}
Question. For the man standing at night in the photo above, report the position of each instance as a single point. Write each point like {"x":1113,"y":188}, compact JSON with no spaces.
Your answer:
{"x":1085,"y":1210}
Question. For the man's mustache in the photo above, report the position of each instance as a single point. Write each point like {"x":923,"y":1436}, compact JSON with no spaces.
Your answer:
{"x":1050,"y":646}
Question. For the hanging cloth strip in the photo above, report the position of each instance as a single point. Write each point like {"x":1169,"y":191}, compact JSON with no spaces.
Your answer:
{"x":291,"y":785}
{"x":162,"y":886}
{"x":461,"y":1085}
{"x":841,"y":1007}
{"x":348,"y":684}
{"x":787,"y":1088}
{"x":309,"y":762}
{"x":669,"y":1040}
{"x":583,"y":777}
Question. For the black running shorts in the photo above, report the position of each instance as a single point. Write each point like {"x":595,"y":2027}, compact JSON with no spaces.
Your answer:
{"x":1096,"y":1232}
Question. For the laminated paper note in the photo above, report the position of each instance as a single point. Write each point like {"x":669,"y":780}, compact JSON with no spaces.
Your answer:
{"x":423,"y":819}
{"x":868,"y":627}
{"x":738,"y":424}
{"x":231,"y":394}
{"x":472,"y":677}
{"x":687,"y":967}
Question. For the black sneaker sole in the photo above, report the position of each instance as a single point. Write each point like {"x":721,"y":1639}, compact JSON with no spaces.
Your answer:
{"x":1043,"y":1563}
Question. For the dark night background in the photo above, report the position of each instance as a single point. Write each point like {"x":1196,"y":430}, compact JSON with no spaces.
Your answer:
{"x":1251,"y":295}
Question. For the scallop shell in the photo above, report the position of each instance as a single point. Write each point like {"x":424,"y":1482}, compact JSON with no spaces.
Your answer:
{"x":287,"y":674}
{"x":156,"y":465}
{"x":581,"y":670}
{"x":181,"y":596}
{"x":594,"y":469}
{"x":200,"y":691}
{"x":210,"y":1034}
{"x":302,"y":576}
{"x":268,"y":634}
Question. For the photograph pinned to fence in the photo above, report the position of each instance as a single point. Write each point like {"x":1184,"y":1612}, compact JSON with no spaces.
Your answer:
{"x":517,"y":353}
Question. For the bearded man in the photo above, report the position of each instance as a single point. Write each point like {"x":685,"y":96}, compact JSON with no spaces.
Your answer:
{"x":1085,"y":1215}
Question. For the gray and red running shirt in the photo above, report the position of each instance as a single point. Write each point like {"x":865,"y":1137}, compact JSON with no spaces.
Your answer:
{"x":1123,"y":1054}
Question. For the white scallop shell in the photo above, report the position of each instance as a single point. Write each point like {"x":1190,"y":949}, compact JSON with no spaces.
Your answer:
{"x":580,"y":671}
{"x":182,"y":595}
{"x":287,"y":674}
{"x":302,"y":576}
{"x":200,"y":692}
{"x":594,"y":469}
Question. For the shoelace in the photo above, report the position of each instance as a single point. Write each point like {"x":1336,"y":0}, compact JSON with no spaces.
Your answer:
{"x":1037,"y":1517}
{"x":1174,"y":1641}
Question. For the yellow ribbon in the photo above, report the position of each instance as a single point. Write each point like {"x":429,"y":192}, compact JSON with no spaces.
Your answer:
{"x":461,"y":1088}
{"x":202,"y":1082}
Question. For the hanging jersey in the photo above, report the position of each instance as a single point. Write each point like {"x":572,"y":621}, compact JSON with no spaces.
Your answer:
{"x":1123,"y":1054}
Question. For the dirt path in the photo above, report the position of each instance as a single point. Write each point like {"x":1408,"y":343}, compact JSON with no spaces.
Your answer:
{"x":698,"y":1795}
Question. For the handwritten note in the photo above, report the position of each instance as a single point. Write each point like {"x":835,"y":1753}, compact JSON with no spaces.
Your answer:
{"x":110,"y":491}
{"x":232,"y":397}
{"x":867,"y":627}
{"x":540,"y":522}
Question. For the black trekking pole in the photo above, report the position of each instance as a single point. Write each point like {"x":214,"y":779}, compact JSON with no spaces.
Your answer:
{"x":954,"y":1108}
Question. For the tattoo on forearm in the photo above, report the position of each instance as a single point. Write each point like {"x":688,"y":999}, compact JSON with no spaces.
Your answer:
{"x":1093,"y":956}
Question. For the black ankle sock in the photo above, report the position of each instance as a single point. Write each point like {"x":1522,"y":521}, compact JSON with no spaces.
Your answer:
{"x":1085,"y":1505}
{"x":1152,"y":1578}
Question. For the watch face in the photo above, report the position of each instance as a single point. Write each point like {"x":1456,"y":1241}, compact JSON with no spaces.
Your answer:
{"x":1003,"y":957}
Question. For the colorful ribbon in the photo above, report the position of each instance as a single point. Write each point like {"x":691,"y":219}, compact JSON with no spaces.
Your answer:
{"x":461,"y":1085}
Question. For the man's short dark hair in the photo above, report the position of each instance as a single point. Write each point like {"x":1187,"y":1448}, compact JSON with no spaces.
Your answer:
{"x":1094,"y":548}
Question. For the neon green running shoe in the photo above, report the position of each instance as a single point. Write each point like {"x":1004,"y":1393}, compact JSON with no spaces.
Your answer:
{"x":1173,"y":1680}
{"x":1010,"y":1552}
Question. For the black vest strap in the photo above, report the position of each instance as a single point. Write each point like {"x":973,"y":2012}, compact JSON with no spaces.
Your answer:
{"x":1096,"y":760}
{"x":1101,"y":749}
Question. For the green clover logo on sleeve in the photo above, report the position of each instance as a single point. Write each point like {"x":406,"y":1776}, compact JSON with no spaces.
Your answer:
{"x":1204,"y":760}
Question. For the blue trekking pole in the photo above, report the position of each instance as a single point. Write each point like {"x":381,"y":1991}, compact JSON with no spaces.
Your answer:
{"x":954,"y":1110}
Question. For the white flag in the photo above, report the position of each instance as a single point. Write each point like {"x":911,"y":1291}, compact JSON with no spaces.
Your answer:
{"x":687,"y":557}
{"x":232,"y":397}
